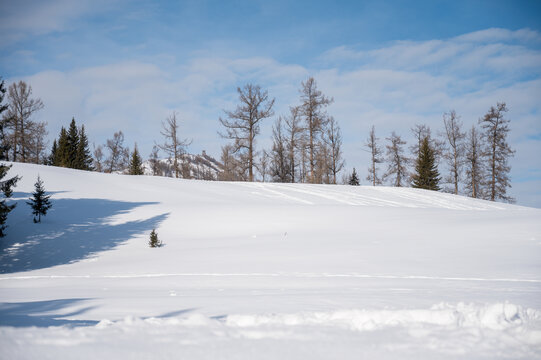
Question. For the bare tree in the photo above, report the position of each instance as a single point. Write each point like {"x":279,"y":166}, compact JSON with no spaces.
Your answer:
{"x":155,"y":162}
{"x":118,"y":154}
{"x":173,"y":146}
{"x":497,"y":151}
{"x":242,"y":125}
{"x":455,"y":154}
{"x":22,"y":130}
{"x":38,"y":143}
{"x":333,"y":139}
{"x":396,"y":159}
{"x":98,"y":158}
{"x":474,"y":164}
{"x":280,"y":167}
{"x":263,"y":167}
{"x":375,"y":156}
{"x":231,"y":169}
{"x":313,"y":104}
{"x":421,"y":131}
{"x":295,"y":138}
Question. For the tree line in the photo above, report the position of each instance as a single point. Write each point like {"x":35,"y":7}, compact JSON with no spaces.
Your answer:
{"x":306,"y":146}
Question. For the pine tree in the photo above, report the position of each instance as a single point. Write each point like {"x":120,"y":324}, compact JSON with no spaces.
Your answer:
{"x":54,"y":153}
{"x":72,"y":145}
{"x":154,"y":241}
{"x":83,"y":159}
{"x":427,"y":175}
{"x":497,"y":152}
{"x":353,"y":179}
{"x":136,"y":164}
{"x":6,"y":189}
{"x":62,"y":153}
{"x":39,"y":202}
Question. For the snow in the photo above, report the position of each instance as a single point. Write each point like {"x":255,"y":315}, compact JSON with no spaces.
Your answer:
{"x":252,"y":270}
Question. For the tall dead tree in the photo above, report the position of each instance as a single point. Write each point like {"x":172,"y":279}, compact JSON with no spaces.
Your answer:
{"x":333,"y":139}
{"x":242,"y":125}
{"x":295,"y":139}
{"x":23,"y":132}
{"x":396,"y":160}
{"x":313,"y":104}
{"x":474,"y":164}
{"x":497,"y":151}
{"x":173,"y":146}
{"x":280,"y":167}
{"x":118,"y":155}
{"x":455,"y":152}
{"x":375,"y":157}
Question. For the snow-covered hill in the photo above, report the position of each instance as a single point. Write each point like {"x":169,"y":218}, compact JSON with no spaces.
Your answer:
{"x":252,"y":270}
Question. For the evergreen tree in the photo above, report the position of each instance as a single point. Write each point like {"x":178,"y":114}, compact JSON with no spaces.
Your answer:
{"x":136,"y":164}
{"x":5,"y":188}
{"x":353,"y":179}
{"x":83,"y":159}
{"x":427,"y":175}
{"x":39,"y":202}
{"x":154,"y":241}
{"x":54,"y":153}
{"x":72,"y":145}
{"x":62,"y":153}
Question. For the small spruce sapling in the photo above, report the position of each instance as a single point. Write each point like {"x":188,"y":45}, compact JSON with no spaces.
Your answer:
{"x":39,"y":202}
{"x":354,"y":179}
{"x":154,"y":241}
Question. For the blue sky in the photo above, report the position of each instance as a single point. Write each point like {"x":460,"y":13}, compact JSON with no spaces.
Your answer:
{"x":125,"y":65}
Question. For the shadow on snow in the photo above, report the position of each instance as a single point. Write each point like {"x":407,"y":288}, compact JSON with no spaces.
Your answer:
{"x":73,"y":230}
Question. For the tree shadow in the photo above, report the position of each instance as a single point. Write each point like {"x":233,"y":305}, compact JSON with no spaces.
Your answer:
{"x":73,"y":230}
{"x":43,"y":313}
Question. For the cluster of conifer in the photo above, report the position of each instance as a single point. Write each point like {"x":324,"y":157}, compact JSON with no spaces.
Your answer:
{"x":71,"y":150}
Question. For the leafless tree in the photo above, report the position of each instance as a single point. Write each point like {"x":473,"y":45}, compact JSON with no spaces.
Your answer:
{"x":280,"y":167}
{"x":173,"y":146}
{"x":455,"y":140}
{"x":243,"y":125}
{"x":497,"y":151}
{"x":38,"y":143}
{"x":231,"y":169}
{"x":295,"y":138}
{"x":23,"y":132}
{"x":396,"y":159}
{"x":474,"y":165}
{"x":313,"y":104}
{"x":375,"y":156}
{"x":264,"y":165}
{"x":333,"y":140}
{"x":98,"y":158}
{"x":118,"y":154}
{"x":155,"y":162}
{"x":421,"y":131}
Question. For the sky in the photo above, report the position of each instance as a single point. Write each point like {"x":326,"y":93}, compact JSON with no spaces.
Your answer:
{"x":126,"y":65}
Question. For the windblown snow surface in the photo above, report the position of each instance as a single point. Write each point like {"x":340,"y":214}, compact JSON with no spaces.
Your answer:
{"x":265,"y":271}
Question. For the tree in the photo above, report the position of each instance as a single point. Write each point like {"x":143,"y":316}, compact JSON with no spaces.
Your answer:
{"x":62,"y":154}
{"x":118,"y":154}
{"x":23,"y":132}
{"x":231,"y":170}
{"x":420,"y":131}
{"x":83,"y":158}
{"x":4,"y":144}
{"x":6,"y":189}
{"x":280,"y":167}
{"x":155,"y":162}
{"x":173,"y":146}
{"x":72,"y":143}
{"x":39,"y":202}
{"x":98,"y":156}
{"x":263,"y":167}
{"x":375,"y":157}
{"x":474,"y":165}
{"x":455,"y":154}
{"x":426,"y":171}
{"x":353,"y":179}
{"x":136,"y":163}
{"x":154,"y":241}
{"x":497,"y":151}
{"x":295,"y":138}
{"x":243,"y":125}
{"x":333,"y":140}
{"x":313,"y":104}
{"x":396,"y":159}
{"x":54,"y":153}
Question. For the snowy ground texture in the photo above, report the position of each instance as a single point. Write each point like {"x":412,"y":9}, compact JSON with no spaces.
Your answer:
{"x":265,"y":271}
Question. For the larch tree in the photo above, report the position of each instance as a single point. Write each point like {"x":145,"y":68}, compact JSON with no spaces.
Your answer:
{"x":98,"y":158}
{"x":454,"y":155}
{"x":243,"y":124}
{"x":295,"y":138}
{"x":426,"y":174}
{"x":474,"y":164}
{"x":376,"y":157}
{"x":23,"y":132}
{"x":396,"y":160}
{"x":313,"y":105}
{"x":333,"y":140}
{"x":155,"y":161}
{"x":173,"y":146}
{"x":497,"y":152}
{"x":280,"y":167}
{"x":118,"y":154}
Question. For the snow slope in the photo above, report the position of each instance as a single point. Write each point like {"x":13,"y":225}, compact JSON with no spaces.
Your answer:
{"x":253,"y":270}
